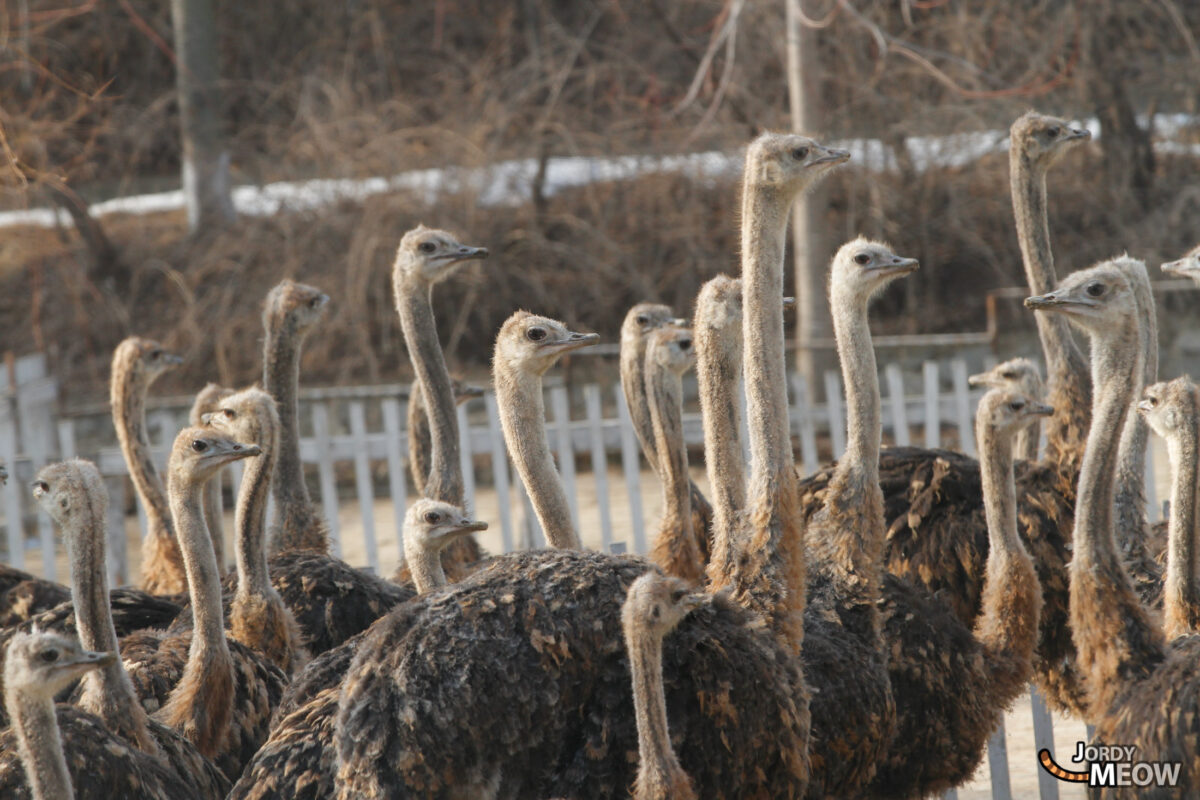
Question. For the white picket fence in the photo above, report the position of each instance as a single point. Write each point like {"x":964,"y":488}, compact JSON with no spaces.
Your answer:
{"x":346,"y":433}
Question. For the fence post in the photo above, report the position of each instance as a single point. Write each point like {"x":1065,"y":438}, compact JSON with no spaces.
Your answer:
{"x":808,"y":431}
{"x":560,"y":403}
{"x":362,"y":482}
{"x":466,"y":457}
{"x":329,"y":498}
{"x":896,"y":401}
{"x":390,"y":407}
{"x":633,"y":472}
{"x":11,"y":490}
{"x":997,"y":753}
{"x":933,"y":411}
{"x":1043,"y":739}
{"x":500,"y":471}
{"x":837,"y":418}
{"x":962,"y":407}
{"x":595,"y":421}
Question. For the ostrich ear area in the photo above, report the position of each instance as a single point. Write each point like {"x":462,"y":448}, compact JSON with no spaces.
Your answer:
{"x":769,"y":172}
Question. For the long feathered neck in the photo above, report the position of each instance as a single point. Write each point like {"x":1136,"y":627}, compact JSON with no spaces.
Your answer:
{"x":1012,"y":600}
{"x":769,"y":574}
{"x":250,"y":520}
{"x":675,"y":548}
{"x":299,"y":527}
{"x":633,"y":384}
{"x":107,"y":691}
{"x":1131,"y":525}
{"x":1027,"y":441}
{"x":1068,"y":387}
{"x":1117,"y":644}
{"x":425,"y":566}
{"x":201,"y":705}
{"x":1181,"y":596}
{"x":445,"y":480}
{"x":523,"y":419}
{"x":40,"y":745}
{"x":659,"y":771}
{"x":718,"y":364}
{"x":420,"y":446}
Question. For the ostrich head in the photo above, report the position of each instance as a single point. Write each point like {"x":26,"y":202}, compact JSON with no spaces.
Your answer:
{"x":293,"y":307}
{"x":1168,"y":405}
{"x":431,"y":255}
{"x":790,"y":161}
{"x":1008,"y":412}
{"x":143,"y":359}
{"x":531,"y":344}
{"x":431,"y":525}
{"x":43,"y":664}
{"x":864,"y":268}
{"x":1188,"y":266}
{"x":1041,"y":140}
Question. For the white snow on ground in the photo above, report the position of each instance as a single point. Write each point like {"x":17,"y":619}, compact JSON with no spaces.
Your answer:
{"x":510,"y":182}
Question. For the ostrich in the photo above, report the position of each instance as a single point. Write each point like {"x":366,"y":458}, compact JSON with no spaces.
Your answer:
{"x":420,"y":443}
{"x":258,"y":617}
{"x":208,"y":400}
{"x":22,"y":595}
{"x":424,"y":258}
{"x":653,"y":607}
{"x":668,"y":355}
{"x":1187,"y":267}
{"x":297,"y":761}
{"x":330,"y":600}
{"x":1017,"y":375}
{"x":218,"y":694}
{"x":136,"y":364}
{"x":639,"y":322}
{"x":73,"y":494}
{"x":1142,"y":692}
{"x":1173,"y":410}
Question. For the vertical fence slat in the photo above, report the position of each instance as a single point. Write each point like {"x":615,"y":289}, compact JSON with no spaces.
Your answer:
{"x":933,"y":416}
{"x":962,"y":407}
{"x":594,"y":406}
{"x":560,"y":404}
{"x":390,"y":408}
{"x":329,"y":498}
{"x":500,"y":471}
{"x":895,"y":382}
{"x":66,"y":439}
{"x":11,"y":490}
{"x":632,"y":468}
{"x":837,"y":419}
{"x":118,"y":557}
{"x":531,"y":532}
{"x":808,"y":428}
{"x":1043,"y":739}
{"x":997,"y":753}
{"x":466,"y":457}
{"x":362,"y":482}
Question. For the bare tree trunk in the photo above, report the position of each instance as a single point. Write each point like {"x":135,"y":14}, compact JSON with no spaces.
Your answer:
{"x":205,"y":159}
{"x":810,"y":243}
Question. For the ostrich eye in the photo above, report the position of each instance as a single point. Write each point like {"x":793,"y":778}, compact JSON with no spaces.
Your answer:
{"x":535,"y":334}
{"x":642,"y":319}
{"x":862,"y":259}
{"x":41,"y":486}
{"x":685,"y":344}
{"x":432,"y":517}
{"x":49,"y":656}
{"x":1052,"y":132}
{"x":1095,"y":289}
{"x":1153,"y":401}
{"x":677,"y":595}
{"x":228,"y":412}
{"x":427,"y":247}
{"x":314,"y":303}
{"x":1016,"y":405}
{"x":800,"y":153}
{"x":156,"y":353}
{"x":199,"y":445}
{"x":1008,"y":375}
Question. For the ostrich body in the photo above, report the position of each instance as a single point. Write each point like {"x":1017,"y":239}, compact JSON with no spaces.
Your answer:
{"x":1022,"y":376}
{"x":668,"y":355}
{"x":218,"y":694}
{"x":297,"y":761}
{"x":653,"y":607}
{"x":64,"y":753}
{"x":424,"y":258}
{"x":1142,"y":692}
{"x":640,"y":321}
{"x":420,"y":438}
{"x":136,"y":364}
{"x":207,"y":401}
{"x":1173,"y":410}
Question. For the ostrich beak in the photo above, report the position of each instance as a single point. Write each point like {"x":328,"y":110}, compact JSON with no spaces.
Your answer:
{"x":978,"y":380}
{"x":575,"y":341}
{"x":1040,"y":410}
{"x":832,"y":156}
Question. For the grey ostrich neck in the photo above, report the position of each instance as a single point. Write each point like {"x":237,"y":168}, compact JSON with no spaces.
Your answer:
{"x":1181,"y":595}
{"x":129,"y":418}
{"x":425,"y":564}
{"x":1112,"y":632}
{"x":250,"y":519}
{"x":633,"y":384}
{"x":281,"y":379}
{"x":523,"y":418}
{"x":999,"y":494}
{"x":107,"y":691}
{"x":664,"y":390}
{"x":658,"y":767}
{"x":40,"y":744}
{"x":419,"y":445}
{"x":1068,"y":386}
{"x":445,"y":481}
{"x":1131,"y":523}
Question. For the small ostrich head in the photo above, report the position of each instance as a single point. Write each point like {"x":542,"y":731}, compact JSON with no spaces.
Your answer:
{"x":719,"y":304}
{"x":1169,"y":405}
{"x":207,"y":400}
{"x":42,"y":664}
{"x":431,"y":525}
{"x":656,"y":603}
{"x":789,"y":161}
{"x":293,"y":308}
{"x":671,"y":348}
{"x":865,"y":267}
{"x":1016,"y":374}
{"x":531,"y":344}
{"x":1041,"y":140}
{"x":70,"y":488}
{"x":143,"y":360}
{"x":198,"y":453}
{"x":645,"y":317}
{"x":250,"y":415}
{"x":1007,"y":411}
{"x":1092,"y":298}
{"x":430,"y":255}
{"x":464,"y":391}
{"x":1188,"y":266}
